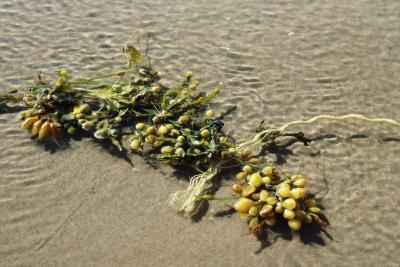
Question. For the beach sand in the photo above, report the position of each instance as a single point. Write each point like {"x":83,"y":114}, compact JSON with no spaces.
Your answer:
{"x":279,"y":61}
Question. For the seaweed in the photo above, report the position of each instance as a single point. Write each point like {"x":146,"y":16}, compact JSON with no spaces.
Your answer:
{"x":8,"y":97}
{"x":131,"y":110}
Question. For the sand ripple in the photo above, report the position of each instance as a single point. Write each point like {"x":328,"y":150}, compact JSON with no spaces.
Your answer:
{"x":279,"y":61}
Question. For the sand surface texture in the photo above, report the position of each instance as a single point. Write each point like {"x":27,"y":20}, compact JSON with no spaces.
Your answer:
{"x":279,"y":60}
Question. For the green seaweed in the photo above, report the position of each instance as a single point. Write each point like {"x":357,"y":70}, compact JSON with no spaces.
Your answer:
{"x":131,"y":110}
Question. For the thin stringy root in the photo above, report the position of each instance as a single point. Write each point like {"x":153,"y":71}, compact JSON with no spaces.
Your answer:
{"x":185,"y":200}
{"x":258,"y":138}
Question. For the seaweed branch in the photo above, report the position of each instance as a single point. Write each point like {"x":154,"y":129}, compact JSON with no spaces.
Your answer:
{"x":131,"y":110}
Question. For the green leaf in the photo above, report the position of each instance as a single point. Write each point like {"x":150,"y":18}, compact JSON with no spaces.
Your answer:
{"x":8,"y":96}
{"x":261,"y":127}
{"x":177,"y":103}
{"x":213,"y":93}
{"x":150,"y":111}
{"x":171,"y":93}
{"x":135,"y":59}
{"x":68,"y":117}
{"x":113,"y":105}
{"x":164,"y":103}
{"x":122,"y":112}
{"x":201,"y":101}
{"x":116,"y":143}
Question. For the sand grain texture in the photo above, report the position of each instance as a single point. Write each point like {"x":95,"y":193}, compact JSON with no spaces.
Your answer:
{"x":280,"y":61}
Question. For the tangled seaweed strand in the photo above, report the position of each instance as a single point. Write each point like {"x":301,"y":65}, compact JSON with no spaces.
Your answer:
{"x":134,"y":112}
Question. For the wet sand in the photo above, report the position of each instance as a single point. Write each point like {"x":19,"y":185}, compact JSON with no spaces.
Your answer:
{"x":284,"y":61}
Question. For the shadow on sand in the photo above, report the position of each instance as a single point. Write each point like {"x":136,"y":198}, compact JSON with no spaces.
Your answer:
{"x":310,"y":234}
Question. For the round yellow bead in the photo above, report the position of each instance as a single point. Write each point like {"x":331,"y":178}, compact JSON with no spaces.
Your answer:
{"x":232,"y":150}
{"x":288,"y":214}
{"x":272,"y":200}
{"x":308,"y":219}
{"x":284,"y":192}
{"x":248,"y":190}
{"x":294,"y":224}
{"x":266,"y":180}
{"x":289,"y":204}
{"x":255,"y":179}
{"x":209,"y":114}
{"x":174,"y":132}
{"x":205,"y":133}
{"x":150,"y":130}
{"x":88,"y":125}
{"x":180,"y":152}
{"x":28,"y":123}
{"x":268,"y":171}
{"x":162,"y":130}
{"x":183,"y":119}
{"x":300,"y":182}
{"x":295,"y":177}
{"x":223,"y":139}
{"x":181,"y":139}
{"x":44,"y":131}
{"x":253,"y":223}
{"x":63,"y":72}
{"x":298,"y":193}
{"x":193,"y":87}
{"x":310,"y":202}
{"x":284,"y":184}
{"x":189,"y":74}
{"x":157,"y":144}
{"x":237,"y":188}
{"x":300,"y":214}
{"x":155,"y":89}
{"x":279,"y":208}
{"x":253,"y":211}
{"x":167,"y":149}
{"x":264,"y":195}
{"x":248,"y":169}
{"x":150,"y":139}
{"x":255,"y":196}
{"x":245,"y":153}
{"x":36,"y":127}
{"x":134,"y":144}
{"x":314,"y":210}
{"x":265,"y":210}
{"x":241,"y":175}
{"x":253,"y":161}
{"x":243,"y":205}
